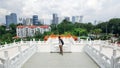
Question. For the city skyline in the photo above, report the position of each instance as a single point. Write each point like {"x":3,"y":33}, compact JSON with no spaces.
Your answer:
{"x":100,"y":10}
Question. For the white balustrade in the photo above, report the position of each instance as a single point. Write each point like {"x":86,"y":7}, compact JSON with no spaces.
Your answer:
{"x":19,"y":58}
{"x":117,"y":62}
{"x":23,"y":55}
{"x":102,"y":60}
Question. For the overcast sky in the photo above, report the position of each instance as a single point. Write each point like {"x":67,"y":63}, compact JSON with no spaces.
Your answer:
{"x":100,"y":10}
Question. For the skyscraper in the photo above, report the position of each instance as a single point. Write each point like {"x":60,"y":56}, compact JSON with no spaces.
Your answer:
{"x":67,"y":18}
{"x":55,"y":19}
{"x":27,"y":21}
{"x":8,"y":20}
{"x":81,"y":19}
{"x":73,"y":19}
{"x":35,"y":20}
{"x":77,"y":19}
{"x":12,"y":18}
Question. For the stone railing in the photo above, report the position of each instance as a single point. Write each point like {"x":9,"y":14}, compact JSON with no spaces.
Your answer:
{"x":102,"y":60}
{"x":117,"y":62}
{"x":19,"y":58}
{"x":1,"y":62}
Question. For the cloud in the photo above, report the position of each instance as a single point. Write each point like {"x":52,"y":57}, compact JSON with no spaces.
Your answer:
{"x":91,"y":9}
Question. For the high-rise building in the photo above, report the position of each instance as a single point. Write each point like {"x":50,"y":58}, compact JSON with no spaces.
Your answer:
{"x":81,"y":19}
{"x":35,"y":20}
{"x":20,"y":20}
{"x":67,"y":18}
{"x":73,"y":19}
{"x":12,"y":18}
{"x":8,"y":20}
{"x":55,"y":19}
{"x":28,"y":21}
{"x":77,"y":19}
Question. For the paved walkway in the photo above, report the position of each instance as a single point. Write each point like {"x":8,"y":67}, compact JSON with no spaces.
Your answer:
{"x":55,"y":60}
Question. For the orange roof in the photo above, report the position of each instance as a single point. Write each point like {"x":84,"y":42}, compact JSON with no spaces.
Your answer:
{"x":62,"y":36}
{"x":46,"y":38}
{"x":15,"y":37}
{"x":32,"y":26}
{"x":44,"y":26}
{"x":20,"y":26}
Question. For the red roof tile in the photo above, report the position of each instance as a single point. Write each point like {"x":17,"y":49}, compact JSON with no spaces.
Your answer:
{"x":32,"y":26}
{"x":20,"y":26}
{"x":44,"y":26}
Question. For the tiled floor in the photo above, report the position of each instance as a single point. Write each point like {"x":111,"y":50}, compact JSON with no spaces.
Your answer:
{"x":56,"y":60}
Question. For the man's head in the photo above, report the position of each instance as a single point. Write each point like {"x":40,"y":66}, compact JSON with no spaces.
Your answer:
{"x":59,"y":37}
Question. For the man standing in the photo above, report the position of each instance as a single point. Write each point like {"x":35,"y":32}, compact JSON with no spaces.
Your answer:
{"x":61,"y":43}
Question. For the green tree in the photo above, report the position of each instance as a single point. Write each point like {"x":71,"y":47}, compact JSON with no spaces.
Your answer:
{"x":96,"y":32}
{"x":65,"y":26}
{"x":80,"y":32}
{"x":2,"y":30}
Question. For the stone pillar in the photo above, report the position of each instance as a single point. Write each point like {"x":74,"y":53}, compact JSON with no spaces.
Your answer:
{"x":6,"y":63}
{"x":6,"y":44}
{"x":14,"y":43}
{"x":113,"y":58}
{"x":30,"y":42}
{"x":19,"y":49}
{"x":100,"y":48}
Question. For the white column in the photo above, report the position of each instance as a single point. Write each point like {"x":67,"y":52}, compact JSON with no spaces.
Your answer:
{"x":19,"y":49}
{"x":113,"y":58}
{"x":6,"y":63}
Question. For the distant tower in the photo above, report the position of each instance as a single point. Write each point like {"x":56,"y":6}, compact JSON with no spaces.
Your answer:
{"x":73,"y":19}
{"x":12,"y":18}
{"x":55,"y":19}
{"x":67,"y":18}
{"x":8,"y":20}
{"x":77,"y":19}
{"x":95,"y":22}
{"x":28,"y":21}
{"x":35,"y":20}
{"x":81,"y":19}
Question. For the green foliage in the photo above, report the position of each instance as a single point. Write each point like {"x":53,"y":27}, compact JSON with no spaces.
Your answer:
{"x":80,"y":32}
{"x":112,"y":26}
{"x":105,"y":37}
{"x":6,"y":35}
{"x":96,"y":31}
{"x":65,"y":26}
{"x":87,"y":26}
{"x":2,"y":30}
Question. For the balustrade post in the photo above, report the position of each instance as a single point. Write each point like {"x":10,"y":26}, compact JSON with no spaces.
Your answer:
{"x":100,"y":48}
{"x":21,"y":42}
{"x":30,"y":43}
{"x":113,"y":58}
{"x":39,"y":41}
{"x":91,"y":42}
{"x":6,"y":63}
{"x":14,"y":43}
{"x":6,"y":44}
{"x":0,"y":46}
{"x":19,"y":49}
